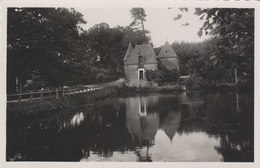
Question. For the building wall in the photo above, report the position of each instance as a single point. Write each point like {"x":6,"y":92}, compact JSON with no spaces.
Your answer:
{"x":131,"y":75}
{"x":170,"y":63}
{"x":175,"y":61}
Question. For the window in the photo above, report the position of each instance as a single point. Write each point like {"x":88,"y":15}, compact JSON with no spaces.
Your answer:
{"x":142,"y":107}
{"x":141,"y":74}
{"x":141,"y":59}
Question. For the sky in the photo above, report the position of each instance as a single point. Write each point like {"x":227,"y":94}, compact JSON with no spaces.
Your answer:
{"x":159,"y":21}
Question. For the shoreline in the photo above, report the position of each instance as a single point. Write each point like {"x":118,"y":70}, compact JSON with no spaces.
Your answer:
{"x":52,"y":104}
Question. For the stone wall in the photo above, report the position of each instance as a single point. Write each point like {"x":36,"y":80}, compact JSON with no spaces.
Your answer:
{"x":131,"y":75}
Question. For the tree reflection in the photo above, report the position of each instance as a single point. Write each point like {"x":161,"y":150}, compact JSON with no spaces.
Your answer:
{"x":220,"y":117}
{"x":130,"y":125}
{"x":233,"y":148}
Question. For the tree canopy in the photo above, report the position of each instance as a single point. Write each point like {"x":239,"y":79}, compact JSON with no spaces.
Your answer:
{"x":235,"y":29}
{"x":48,"y":45}
{"x":41,"y":41}
{"x":229,"y":53}
{"x":138,"y":14}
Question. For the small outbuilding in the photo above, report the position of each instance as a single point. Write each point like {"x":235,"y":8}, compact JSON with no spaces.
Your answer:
{"x":136,"y":61}
{"x":142,"y":57}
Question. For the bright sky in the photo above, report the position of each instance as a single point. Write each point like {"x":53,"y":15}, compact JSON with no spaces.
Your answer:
{"x":159,"y":21}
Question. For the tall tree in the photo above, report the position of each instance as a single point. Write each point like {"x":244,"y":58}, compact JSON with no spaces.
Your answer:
{"x":108,"y":46}
{"x":138,"y":14}
{"x":41,"y":41}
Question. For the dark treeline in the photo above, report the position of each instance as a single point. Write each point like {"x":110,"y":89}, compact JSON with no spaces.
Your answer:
{"x":47,"y":48}
{"x":202,"y":62}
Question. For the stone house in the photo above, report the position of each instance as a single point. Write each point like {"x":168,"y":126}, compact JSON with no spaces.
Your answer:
{"x":136,"y":61}
{"x":141,"y":58}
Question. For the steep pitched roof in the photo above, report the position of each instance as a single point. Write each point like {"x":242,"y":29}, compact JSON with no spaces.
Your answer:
{"x":128,"y":51}
{"x":171,"y":124}
{"x":146,"y":51}
{"x":167,"y":51}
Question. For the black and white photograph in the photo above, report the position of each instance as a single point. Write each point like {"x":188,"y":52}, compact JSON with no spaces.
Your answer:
{"x":129,"y":83}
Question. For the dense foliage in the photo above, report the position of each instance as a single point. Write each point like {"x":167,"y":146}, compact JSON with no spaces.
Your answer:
{"x":110,"y":45}
{"x":41,"y":42}
{"x":235,"y":49}
{"x":198,"y":59}
{"x":228,"y":56}
{"x":162,"y":75}
{"x":48,"y":46}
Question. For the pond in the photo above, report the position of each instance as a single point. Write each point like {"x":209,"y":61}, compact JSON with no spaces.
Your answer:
{"x":177,"y":127}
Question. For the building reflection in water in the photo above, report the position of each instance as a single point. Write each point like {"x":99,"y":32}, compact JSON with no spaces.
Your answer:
{"x":171,"y":123}
{"x":77,"y":119}
{"x":143,"y":122}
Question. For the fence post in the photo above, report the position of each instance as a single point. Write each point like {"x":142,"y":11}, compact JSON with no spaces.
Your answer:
{"x":41,"y":96}
{"x":19,"y":98}
{"x":49,"y":93}
{"x":31,"y":96}
{"x":57,"y":94}
{"x":62,"y":92}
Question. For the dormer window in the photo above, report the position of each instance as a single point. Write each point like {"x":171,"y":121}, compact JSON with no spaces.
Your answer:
{"x":141,"y":59}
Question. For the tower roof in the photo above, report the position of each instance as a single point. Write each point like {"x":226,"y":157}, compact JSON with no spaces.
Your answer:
{"x":167,"y":51}
{"x":171,"y":123}
{"x":170,"y":64}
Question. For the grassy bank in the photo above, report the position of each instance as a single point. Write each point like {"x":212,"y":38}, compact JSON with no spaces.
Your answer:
{"x":53,"y":104}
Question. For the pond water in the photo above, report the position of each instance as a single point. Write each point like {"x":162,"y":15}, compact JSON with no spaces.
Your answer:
{"x":156,"y":127}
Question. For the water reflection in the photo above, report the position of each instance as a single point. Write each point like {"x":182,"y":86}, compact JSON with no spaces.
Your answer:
{"x":142,"y":124}
{"x":171,"y":123}
{"x":77,"y":119}
{"x":173,"y":127}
